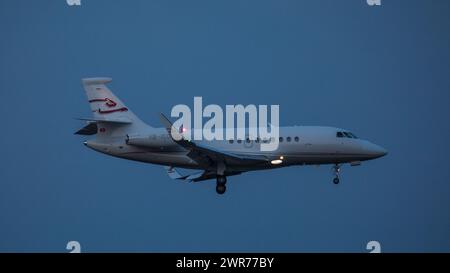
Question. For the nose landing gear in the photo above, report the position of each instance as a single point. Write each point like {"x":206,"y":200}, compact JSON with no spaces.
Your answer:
{"x":221,"y":181}
{"x":336,"y":180}
{"x":337,"y":170}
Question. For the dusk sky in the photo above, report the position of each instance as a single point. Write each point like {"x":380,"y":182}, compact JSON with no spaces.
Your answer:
{"x":382,"y":72}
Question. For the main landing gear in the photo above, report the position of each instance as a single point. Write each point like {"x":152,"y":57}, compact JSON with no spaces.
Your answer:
{"x":337,"y":170}
{"x":221,"y":181}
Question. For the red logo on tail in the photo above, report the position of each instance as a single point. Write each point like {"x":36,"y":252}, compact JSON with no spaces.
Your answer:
{"x":110,"y":103}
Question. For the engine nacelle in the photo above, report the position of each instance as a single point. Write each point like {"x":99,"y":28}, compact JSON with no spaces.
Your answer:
{"x":156,"y":141}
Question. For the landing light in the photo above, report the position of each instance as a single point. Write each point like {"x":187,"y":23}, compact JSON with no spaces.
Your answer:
{"x":277,"y":161}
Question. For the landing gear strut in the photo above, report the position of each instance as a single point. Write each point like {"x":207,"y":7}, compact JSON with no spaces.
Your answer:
{"x":221,"y":181}
{"x":337,"y":170}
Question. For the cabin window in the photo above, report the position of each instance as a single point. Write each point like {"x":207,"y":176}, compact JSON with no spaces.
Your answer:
{"x":288,"y":139}
{"x":248,"y":140}
{"x":281,"y":139}
{"x":239,"y":141}
{"x":296,"y":139}
{"x":231,"y":141}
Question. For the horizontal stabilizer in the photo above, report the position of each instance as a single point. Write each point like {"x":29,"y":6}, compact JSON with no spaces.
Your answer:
{"x":88,"y":130}
{"x":91,"y":128}
{"x":123,"y":120}
{"x":95,"y":81}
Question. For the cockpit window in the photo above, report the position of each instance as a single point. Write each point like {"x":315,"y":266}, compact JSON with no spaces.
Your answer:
{"x":345,"y":134}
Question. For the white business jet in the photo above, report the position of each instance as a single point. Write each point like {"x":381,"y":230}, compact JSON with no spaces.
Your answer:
{"x":120,"y":133}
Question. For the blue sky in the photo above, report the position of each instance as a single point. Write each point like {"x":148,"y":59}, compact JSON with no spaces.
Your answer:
{"x":381,"y":72}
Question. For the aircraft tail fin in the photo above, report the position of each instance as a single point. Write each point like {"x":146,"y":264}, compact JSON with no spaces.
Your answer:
{"x":104,"y":104}
{"x":110,"y":114}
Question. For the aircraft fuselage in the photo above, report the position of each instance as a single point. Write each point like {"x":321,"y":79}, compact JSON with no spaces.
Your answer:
{"x":298,"y":145}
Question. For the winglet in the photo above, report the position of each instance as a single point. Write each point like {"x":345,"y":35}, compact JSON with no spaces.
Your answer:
{"x":165,"y":121}
{"x":173,"y":132}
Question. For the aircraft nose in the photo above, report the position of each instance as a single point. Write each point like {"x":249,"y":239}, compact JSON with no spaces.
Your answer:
{"x":375,"y":151}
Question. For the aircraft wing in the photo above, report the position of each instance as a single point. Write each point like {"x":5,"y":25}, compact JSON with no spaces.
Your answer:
{"x":206,"y":155}
{"x":202,"y":153}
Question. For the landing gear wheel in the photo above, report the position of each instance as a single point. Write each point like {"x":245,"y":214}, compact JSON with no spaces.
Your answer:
{"x":336,"y":170}
{"x":221,"y":181}
{"x":221,"y":188}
